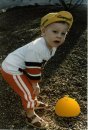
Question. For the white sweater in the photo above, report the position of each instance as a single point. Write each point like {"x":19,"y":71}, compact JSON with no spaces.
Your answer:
{"x":33,"y":52}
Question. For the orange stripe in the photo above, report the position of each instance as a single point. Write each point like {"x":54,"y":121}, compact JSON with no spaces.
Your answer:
{"x":33,"y":70}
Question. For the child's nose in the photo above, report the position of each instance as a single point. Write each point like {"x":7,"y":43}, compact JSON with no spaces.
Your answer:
{"x":59,"y":35}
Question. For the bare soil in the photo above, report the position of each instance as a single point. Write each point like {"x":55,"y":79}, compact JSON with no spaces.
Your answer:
{"x":64,"y":74}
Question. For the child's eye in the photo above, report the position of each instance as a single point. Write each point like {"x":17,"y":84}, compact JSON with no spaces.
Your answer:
{"x":63,"y":33}
{"x":55,"y":32}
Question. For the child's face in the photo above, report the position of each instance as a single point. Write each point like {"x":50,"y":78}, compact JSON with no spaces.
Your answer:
{"x":55,"y":34}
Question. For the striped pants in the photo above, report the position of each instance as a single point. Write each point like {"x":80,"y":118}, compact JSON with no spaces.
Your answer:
{"x":21,"y":85}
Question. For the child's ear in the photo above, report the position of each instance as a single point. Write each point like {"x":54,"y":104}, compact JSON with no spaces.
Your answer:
{"x":42,"y":31}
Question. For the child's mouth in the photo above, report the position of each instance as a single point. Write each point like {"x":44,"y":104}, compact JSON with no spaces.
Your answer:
{"x":56,"y":42}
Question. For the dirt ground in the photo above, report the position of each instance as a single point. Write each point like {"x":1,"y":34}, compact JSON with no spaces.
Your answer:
{"x":64,"y":74}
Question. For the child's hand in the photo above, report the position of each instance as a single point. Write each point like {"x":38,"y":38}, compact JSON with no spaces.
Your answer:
{"x":36,"y":89}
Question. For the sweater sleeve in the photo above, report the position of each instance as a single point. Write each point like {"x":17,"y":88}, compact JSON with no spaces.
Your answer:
{"x":33,"y":62}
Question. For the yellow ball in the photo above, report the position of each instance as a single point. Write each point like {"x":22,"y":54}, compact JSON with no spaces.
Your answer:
{"x":67,"y":107}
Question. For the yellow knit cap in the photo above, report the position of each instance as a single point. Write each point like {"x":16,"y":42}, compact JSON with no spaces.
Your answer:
{"x":56,"y":17}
